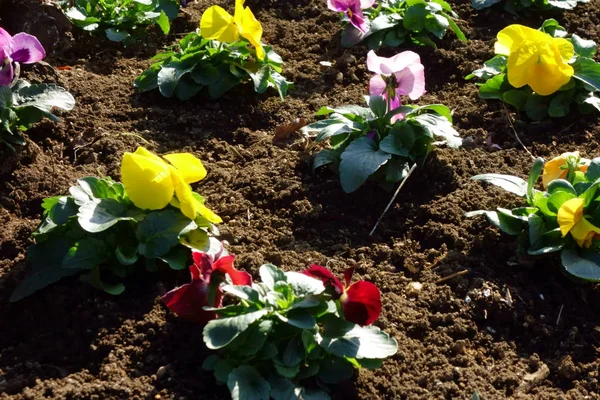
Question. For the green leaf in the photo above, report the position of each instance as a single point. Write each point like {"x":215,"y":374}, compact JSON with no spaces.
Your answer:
{"x":253,"y":339}
{"x":160,"y":231}
{"x":414,"y":17}
{"x":46,"y":260}
{"x":98,"y":215}
{"x":536,"y":107}
{"x":284,"y":370}
{"x":516,"y":97}
{"x":304,"y":285}
{"x":502,"y":221}
{"x":491,"y":89}
{"x":400,"y":140}
{"x":512,"y":184}
{"x":284,"y":389}
{"x":299,"y":318}
{"x":220,"y":332}
{"x":210,"y":362}
{"x":481,"y":4}
{"x":294,"y":352}
{"x":116,"y":35}
{"x":583,"y":48}
{"x":344,"y":339}
{"x":587,"y":71}
{"x":534,"y":174}
{"x":440,"y":127}
{"x":223,"y":368}
{"x":163,"y":22}
{"x":43,"y":97}
{"x":491,"y":68}
{"x":270,"y":274}
{"x":325,"y":157}
{"x":377,"y":104}
{"x":169,"y":75}
{"x":360,"y":160}
{"x":245,"y":383}
{"x":86,"y":254}
{"x":560,"y":105}
{"x":242,"y":292}
{"x":536,"y":231}
{"x":561,"y":185}
{"x":335,"y":370}
{"x":593,"y":171}
{"x":177,"y":258}
{"x":584,"y":265}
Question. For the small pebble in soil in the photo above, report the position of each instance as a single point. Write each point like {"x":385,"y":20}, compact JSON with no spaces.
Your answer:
{"x":413,"y":289}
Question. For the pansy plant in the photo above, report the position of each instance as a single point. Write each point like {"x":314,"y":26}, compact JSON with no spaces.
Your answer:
{"x":384,"y":140}
{"x":563,"y":217}
{"x":281,"y":337}
{"x":103,"y":229}
{"x":518,"y":6}
{"x":121,"y":20}
{"x":395,"y":22}
{"x":541,"y":72}
{"x":225,"y":52}
{"x":21,"y":103}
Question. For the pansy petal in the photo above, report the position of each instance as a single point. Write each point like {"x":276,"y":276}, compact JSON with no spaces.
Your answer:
{"x":5,"y":39}
{"x":142,"y":151}
{"x":583,"y":232}
{"x":26,"y":49}
{"x":225,"y":266}
{"x":251,"y":30}
{"x":356,"y":16}
{"x":364,"y":4}
{"x":326,"y":276}
{"x":510,"y":38}
{"x":411,"y":81}
{"x":564,"y":48}
{"x":187,"y":301}
{"x":203,"y":262}
{"x":519,"y":64}
{"x":553,"y":170}
{"x":187,"y":202}
{"x":209,"y":214}
{"x":569,"y":214}
{"x":399,"y":62}
{"x":147,"y":182}
{"x":338,"y":5}
{"x":217,"y":24}
{"x":7,"y":74}
{"x":545,"y":79}
{"x":188,"y":165}
{"x":374,"y":62}
{"x":376,"y":85}
{"x":362,"y":303}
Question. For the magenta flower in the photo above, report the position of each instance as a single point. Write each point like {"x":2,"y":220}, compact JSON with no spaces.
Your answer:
{"x":402,"y":74}
{"x":353,"y":10}
{"x":22,"y":48}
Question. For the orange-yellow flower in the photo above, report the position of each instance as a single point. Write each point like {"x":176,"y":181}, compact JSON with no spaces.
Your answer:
{"x":152,"y":183}
{"x":571,"y":219}
{"x":535,"y":58}
{"x":557,"y":168}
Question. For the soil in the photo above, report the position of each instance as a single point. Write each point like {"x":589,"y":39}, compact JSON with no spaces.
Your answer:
{"x":468,"y":316}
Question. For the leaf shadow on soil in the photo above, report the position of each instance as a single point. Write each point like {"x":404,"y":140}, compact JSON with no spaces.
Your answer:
{"x":81,"y":327}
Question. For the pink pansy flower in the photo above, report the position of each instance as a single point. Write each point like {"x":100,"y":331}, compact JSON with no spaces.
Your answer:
{"x":22,"y":48}
{"x":402,"y":74}
{"x":208,"y":272}
{"x":353,"y":10}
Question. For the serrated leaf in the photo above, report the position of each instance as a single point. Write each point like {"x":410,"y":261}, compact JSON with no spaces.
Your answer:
{"x":360,"y":159}
{"x":220,"y":332}
{"x":160,"y":231}
{"x":245,"y":383}
{"x":270,"y":274}
{"x":304,"y":285}
{"x":356,"y":341}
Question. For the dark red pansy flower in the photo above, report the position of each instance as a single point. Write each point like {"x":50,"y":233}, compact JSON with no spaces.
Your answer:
{"x":361,"y":301}
{"x":208,"y":272}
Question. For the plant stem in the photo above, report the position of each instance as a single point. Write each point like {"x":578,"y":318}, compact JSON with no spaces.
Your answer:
{"x":410,"y":171}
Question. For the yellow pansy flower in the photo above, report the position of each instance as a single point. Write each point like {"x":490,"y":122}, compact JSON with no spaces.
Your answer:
{"x":571,"y":219}
{"x":218,"y":24}
{"x":535,"y":58}
{"x":151,"y":182}
{"x":557,"y":167}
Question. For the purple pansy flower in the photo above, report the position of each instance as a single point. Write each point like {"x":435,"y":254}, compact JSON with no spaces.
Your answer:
{"x":22,"y":48}
{"x":353,"y":10}
{"x":402,"y":74}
